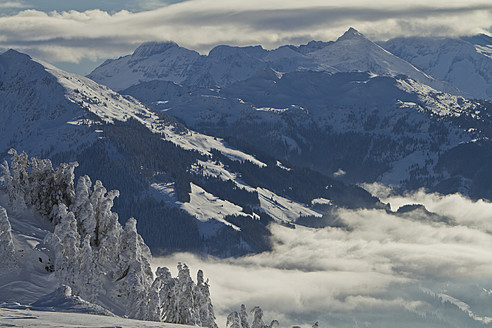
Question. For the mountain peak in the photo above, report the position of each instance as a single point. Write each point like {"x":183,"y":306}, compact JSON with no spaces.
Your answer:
{"x":148,"y":49}
{"x":351,"y":34}
{"x":11,"y":54}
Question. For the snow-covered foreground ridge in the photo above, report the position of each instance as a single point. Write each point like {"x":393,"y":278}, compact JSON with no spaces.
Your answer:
{"x":58,"y":235}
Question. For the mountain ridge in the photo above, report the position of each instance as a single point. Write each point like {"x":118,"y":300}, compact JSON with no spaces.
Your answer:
{"x":225,"y":64}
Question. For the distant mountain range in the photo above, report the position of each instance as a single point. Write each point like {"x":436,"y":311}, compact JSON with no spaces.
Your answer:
{"x":225,"y":64}
{"x":398,"y":113}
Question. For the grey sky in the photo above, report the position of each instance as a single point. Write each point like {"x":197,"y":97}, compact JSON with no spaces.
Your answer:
{"x":76,"y":35}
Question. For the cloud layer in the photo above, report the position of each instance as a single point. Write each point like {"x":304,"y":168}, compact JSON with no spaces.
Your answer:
{"x":383,"y":268}
{"x":201,"y":24}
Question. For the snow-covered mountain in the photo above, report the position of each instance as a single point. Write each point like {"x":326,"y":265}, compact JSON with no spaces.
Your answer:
{"x":150,"y":61}
{"x":482,"y":42}
{"x":190,"y":191}
{"x":225,"y":65}
{"x":379,"y":117}
{"x":360,"y":127}
{"x":465,"y":63}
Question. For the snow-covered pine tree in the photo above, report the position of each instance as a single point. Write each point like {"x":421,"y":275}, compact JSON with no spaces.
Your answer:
{"x":107,"y":233}
{"x":42,"y":189}
{"x":154,"y":306}
{"x":65,"y":241}
{"x":83,"y":209}
{"x":167,"y":286}
{"x":233,"y":320}
{"x":7,"y":249}
{"x":138,"y":275}
{"x":187,"y":311}
{"x":64,"y":183}
{"x":88,"y":278}
{"x":6,"y":178}
{"x":257,"y":318}
{"x":19,"y":178}
{"x":243,"y":314}
{"x":203,"y":302}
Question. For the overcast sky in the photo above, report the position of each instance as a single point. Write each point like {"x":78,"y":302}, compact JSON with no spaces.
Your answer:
{"x":78,"y":34}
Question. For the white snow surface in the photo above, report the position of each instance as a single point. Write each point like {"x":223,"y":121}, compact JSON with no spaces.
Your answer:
{"x":29,"y":280}
{"x":283,"y":209}
{"x":193,"y":140}
{"x":11,"y":316}
{"x":217,"y":170}
{"x":204,"y":206}
{"x":280,"y":208}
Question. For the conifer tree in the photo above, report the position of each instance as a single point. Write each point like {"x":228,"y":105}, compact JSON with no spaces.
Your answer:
{"x":138,"y":274}
{"x":42,"y":189}
{"x":187,"y":313}
{"x":204,"y":303}
{"x":233,"y":320}
{"x":19,"y":178}
{"x":257,"y":317}
{"x":243,"y":314}
{"x":7,"y":249}
{"x":167,"y":295}
{"x":83,"y":209}
{"x":67,"y":246}
{"x":88,"y":278}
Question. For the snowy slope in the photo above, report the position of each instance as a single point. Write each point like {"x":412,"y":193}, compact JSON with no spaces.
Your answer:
{"x":46,"y":109}
{"x":354,"y":52}
{"x":12,"y":316}
{"x":372,"y":127}
{"x":460,"y":62}
{"x":41,"y":100}
{"x":150,"y":61}
{"x":33,"y":291}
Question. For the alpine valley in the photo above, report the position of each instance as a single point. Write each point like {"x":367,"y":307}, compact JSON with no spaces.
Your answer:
{"x":225,"y":155}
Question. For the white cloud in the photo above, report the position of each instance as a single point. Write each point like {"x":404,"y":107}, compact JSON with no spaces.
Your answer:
{"x":201,"y":24}
{"x":378,"y":270}
{"x":11,"y":4}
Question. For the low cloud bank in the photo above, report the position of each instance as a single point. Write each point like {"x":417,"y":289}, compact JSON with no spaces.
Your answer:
{"x":381,"y":270}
